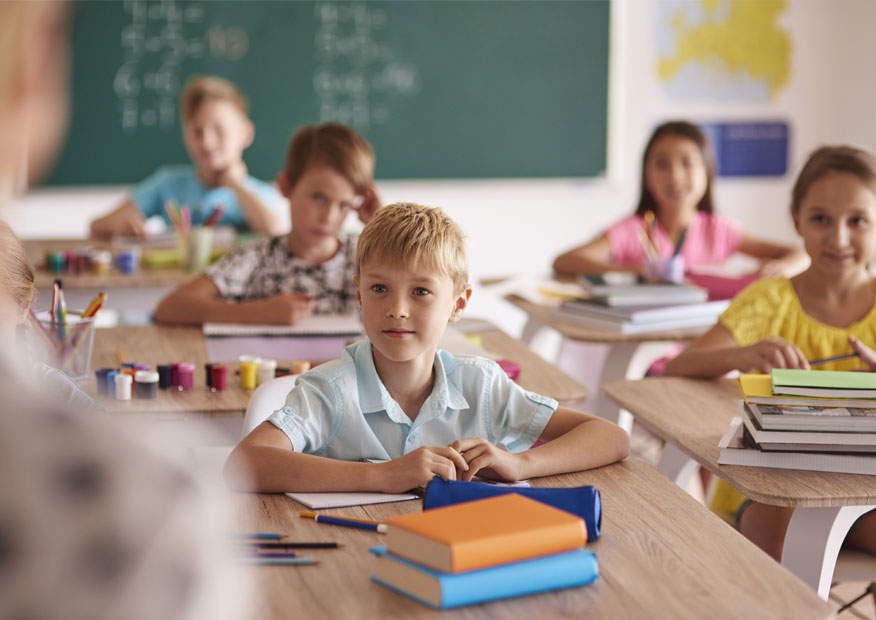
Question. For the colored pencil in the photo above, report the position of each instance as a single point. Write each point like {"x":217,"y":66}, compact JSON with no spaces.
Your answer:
{"x":214,"y":218}
{"x":294,"y":545}
{"x":62,"y":310}
{"x":307,"y":514}
{"x":835,"y":358}
{"x":276,"y":554}
{"x":269,"y":561}
{"x":380,"y":528}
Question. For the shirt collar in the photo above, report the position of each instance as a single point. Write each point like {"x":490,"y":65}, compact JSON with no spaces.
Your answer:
{"x":374,"y":397}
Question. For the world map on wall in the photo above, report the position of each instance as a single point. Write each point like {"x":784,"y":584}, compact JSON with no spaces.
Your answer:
{"x":732,"y":50}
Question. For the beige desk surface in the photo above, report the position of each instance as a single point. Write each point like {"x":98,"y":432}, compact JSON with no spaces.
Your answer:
{"x":661,"y":555}
{"x":693,"y":414}
{"x":544,"y":315}
{"x":152,"y":344}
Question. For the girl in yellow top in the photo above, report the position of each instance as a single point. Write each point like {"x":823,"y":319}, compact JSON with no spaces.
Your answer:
{"x":827,"y":310}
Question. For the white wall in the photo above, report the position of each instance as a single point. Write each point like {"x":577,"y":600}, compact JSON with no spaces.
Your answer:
{"x":518,"y":226}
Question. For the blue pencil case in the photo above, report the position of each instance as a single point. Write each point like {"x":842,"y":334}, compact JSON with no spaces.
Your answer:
{"x":581,"y":501}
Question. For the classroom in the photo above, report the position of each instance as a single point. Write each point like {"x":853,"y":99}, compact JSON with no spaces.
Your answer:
{"x":381,"y":309}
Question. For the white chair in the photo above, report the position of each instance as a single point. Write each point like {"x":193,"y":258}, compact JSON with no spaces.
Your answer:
{"x":267,"y":398}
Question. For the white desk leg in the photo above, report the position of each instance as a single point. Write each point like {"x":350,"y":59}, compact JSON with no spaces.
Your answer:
{"x":676,"y":465}
{"x":616,"y":366}
{"x":813,"y":541}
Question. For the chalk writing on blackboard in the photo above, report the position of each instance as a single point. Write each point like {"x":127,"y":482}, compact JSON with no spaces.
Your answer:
{"x":358,"y":74}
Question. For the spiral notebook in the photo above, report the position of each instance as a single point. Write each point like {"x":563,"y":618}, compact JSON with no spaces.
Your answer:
{"x":326,"y":325}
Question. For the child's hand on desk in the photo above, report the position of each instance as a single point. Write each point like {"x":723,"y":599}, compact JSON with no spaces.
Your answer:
{"x":768,"y":354}
{"x":865,"y":353}
{"x":417,"y":468}
{"x":284,"y":308}
{"x":487,"y":461}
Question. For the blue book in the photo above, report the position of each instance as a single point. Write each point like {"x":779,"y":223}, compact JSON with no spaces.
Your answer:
{"x":445,"y":590}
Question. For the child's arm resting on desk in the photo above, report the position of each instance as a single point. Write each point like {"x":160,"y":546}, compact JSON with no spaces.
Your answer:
{"x":590,"y":258}
{"x":574,"y":441}
{"x":199,"y":301}
{"x":776,"y":259}
{"x":716,"y":353}
{"x":264,"y":462}
{"x":125,"y":220}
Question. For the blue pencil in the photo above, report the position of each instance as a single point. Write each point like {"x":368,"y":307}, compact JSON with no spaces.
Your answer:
{"x":375,"y":527}
{"x":835,"y":358}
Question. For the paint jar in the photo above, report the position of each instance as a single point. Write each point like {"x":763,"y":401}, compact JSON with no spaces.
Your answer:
{"x":265,"y":371}
{"x":128,"y":259}
{"x":147,"y":383}
{"x":218,"y":378}
{"x":299,"y":367}
{"x":174,"y":374}
{"x":248,"y":375}
{"x":101,"y":261}
{"x":111,"y":383}
{"x":123,"y":386}
{"x":55,"y":262}
{"x":208,"y":374}
{"x":100,"y":374}
{"x":186,"y":375}
{"x":200,"y":248}
{"x":164,"y":376}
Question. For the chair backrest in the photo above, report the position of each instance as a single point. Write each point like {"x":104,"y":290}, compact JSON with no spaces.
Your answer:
{"x":267,"y":398}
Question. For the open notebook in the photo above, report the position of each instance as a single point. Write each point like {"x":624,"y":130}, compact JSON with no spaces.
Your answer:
{"x":324,"y":325}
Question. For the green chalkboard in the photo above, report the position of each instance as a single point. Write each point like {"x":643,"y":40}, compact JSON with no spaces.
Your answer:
{"x":441,"y":88}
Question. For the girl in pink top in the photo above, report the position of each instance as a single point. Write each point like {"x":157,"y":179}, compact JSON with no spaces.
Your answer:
{"x":677,"y":172}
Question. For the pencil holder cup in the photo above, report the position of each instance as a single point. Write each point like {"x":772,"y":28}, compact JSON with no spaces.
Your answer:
{"x":665,"y":269}
{"x":199,"y":247}
{"x":66,"y":347}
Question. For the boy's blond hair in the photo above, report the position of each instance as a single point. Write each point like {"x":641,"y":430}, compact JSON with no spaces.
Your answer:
{"x":414,"y":235}
{"x":16,"y":273}
{"x":206,"y":88}
{"x":333,"y":145}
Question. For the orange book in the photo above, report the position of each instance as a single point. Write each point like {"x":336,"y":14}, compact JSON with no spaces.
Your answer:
{"x":483,"y":533}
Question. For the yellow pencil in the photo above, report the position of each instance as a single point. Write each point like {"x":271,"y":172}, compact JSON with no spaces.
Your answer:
{"x":312,"y":515}
{"x":121,"y":355}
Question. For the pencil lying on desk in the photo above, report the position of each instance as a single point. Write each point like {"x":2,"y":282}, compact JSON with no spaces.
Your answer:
{"x":268,"y":561}
{"x":259,"y":536}
{"x":307,"y":514}
{"x":835,"y":358}
{"x":294,"y":545}
{"x":380,"y":528}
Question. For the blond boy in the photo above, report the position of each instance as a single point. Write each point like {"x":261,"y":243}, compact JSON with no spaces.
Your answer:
{"x":216,"y":131}
{"x":396,"y":398}
{"x":328,"y":174}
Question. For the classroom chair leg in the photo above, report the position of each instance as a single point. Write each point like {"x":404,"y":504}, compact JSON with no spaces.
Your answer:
{"x":676,"y":465}
{"x":813,"y":541}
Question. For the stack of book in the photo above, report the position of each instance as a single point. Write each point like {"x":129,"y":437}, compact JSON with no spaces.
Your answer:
{"x":484,"y":550}
{"x":805,"y":419}
{"x":632,"y":308}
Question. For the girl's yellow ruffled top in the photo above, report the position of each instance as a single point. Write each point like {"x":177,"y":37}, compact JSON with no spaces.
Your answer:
{"x":770,"y":308}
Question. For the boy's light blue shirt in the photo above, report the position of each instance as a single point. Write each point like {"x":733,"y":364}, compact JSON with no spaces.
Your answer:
{"x":181,"y":183}
{"x":342,"y":410}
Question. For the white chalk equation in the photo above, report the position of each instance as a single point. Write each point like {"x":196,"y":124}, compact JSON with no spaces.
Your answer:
{"x":358,"y":73}
{"x":158,"y":39}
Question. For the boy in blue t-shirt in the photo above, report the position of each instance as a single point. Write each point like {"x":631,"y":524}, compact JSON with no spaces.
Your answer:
{"x":216,"y":131}
{"x":395,"y":397}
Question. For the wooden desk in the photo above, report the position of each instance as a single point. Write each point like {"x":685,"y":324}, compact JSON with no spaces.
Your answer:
{"x":693,"y":414}
{"x":152,"y":344}
{"x":139,"y":291}
{"x":661,"y":555}
{"x":621,"y":350}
